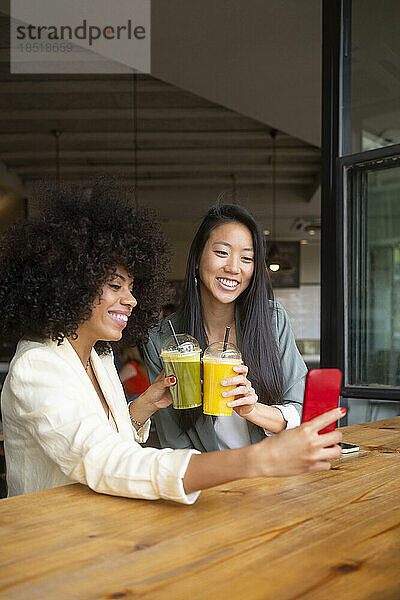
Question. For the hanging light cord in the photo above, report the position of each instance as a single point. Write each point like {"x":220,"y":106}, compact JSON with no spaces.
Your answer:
{"x":280,"y":263}
{"x":135,"y":142}
{"x":273,"y":133}
{"x":57,"y":134}
{"x":234,"y":187}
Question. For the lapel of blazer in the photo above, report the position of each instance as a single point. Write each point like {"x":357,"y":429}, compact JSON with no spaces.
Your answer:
{"x":112,"y":393}
{"x":67,"y":353}
{"x":204,"y":433}
{"x":106,"y":384}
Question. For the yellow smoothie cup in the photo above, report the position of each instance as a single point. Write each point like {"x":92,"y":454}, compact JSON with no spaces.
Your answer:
{"x":218,"y":365}
{"x":183,"y":361}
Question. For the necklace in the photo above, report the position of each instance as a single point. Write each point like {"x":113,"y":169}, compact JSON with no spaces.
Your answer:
{"x":87,"y":365}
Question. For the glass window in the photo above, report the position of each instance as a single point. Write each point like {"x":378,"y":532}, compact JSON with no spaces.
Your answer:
{"x":372,"y":218}
{"x":375,"y":74}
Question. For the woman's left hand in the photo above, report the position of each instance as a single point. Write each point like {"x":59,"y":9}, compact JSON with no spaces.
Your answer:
{"x":245,"y":402}
{"x":244,"y":396}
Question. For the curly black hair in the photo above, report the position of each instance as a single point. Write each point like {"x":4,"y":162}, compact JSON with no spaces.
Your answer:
{"x":53,"y":267}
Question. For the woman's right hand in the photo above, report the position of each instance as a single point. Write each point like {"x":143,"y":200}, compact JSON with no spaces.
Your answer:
{"x":299,"y":450}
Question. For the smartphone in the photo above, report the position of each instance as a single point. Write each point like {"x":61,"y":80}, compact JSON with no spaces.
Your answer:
{"x":346,"y":448}
{"x":321,"y":394}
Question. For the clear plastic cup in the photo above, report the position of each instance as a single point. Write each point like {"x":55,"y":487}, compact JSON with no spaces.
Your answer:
{"x":218,"y":365}
{"x":183,"y":361}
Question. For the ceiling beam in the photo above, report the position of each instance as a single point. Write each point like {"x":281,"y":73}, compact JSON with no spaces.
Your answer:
{"x":83,"y":114}
{"x":171,"y":142}
{"x":177,"y":168}
{"x":187,"y":182}
{"x":173,"y":135}
{"x":229,"y":158}
{"x":159,"y":169}
{"x":73,"y":86}
{"x":185,"y":177}
{"x":195,"y":156}
{"x":177,"y":152}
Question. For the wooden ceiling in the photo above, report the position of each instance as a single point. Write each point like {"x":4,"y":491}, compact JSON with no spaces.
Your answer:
{"x":181,"y":140}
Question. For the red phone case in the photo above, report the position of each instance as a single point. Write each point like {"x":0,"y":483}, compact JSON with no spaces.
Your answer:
{"x":321,"y":394}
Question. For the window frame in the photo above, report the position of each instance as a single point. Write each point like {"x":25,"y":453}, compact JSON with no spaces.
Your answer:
{"x":360,"y":163}
{"x":335,"y":143}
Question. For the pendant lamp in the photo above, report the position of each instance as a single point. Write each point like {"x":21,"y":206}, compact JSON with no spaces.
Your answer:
{"x":275,"y":262}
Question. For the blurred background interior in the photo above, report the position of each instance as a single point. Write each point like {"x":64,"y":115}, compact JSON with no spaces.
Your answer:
{"x":234,"y":114}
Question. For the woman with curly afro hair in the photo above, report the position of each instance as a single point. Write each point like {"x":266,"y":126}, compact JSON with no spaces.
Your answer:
{"x":86,"y":273}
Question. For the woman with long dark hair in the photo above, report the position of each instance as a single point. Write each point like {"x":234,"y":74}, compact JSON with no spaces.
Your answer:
{"x":227,"y":284}
{"x":75,"y":281}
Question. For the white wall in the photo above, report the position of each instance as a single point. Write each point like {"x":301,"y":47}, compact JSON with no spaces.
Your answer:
{"x":303,"y":304}
{"x":262,"y":59}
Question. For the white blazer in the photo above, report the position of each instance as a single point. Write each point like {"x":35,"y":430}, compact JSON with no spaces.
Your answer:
{"x":56,"y":430}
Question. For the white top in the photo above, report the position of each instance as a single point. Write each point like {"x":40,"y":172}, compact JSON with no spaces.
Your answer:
{"x":57,"y":432}
{"x":232,"y":432}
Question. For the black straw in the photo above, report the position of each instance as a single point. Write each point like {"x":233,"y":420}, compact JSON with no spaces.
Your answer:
{"x":227,"y":330}
{"x":173,"y":333}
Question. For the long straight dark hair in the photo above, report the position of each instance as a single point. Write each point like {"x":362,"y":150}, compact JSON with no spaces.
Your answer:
{"x":259,"y":348}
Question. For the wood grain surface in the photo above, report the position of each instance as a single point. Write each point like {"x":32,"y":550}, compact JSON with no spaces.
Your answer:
{"x":325,"y":535}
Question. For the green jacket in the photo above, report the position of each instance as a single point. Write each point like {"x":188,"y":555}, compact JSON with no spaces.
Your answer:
{"x":202,"y":436}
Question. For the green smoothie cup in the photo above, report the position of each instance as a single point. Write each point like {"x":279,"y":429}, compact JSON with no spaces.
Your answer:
{"x":183,"y":361}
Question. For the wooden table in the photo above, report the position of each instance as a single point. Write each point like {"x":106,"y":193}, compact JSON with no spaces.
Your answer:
{"x":327,"y":535}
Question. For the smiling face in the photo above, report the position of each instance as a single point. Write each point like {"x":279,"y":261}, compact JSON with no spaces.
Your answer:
{"x":111,"y":312}
{"x":227,"y":263}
